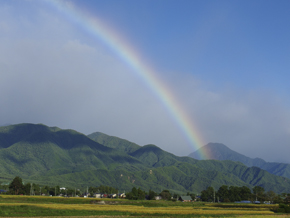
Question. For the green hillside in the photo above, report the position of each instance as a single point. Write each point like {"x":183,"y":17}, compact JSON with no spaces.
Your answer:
{"x":219,"y":151}
{"x":228,"y":172}
{"x":114,"y":142}
{"x":53,"y":156}
{"x":30,"y":150}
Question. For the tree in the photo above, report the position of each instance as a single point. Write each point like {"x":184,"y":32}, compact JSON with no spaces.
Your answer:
{"x":136,"y":194}
{"x":16,"y":187}
{"x":234,"y":193}
{"x":245,"y":193}
{"x":208,"y":194}
{"x":165,"y":194}
{"x":258,"y":192}
{"x":151,"y":195}
{"x":141,"y":194}
{"x":223,"y":193}
{"x":26,"y":189}
{"x":270,"y":196}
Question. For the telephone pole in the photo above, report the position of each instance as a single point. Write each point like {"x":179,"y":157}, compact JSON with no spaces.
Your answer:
{"x":30,"y":188}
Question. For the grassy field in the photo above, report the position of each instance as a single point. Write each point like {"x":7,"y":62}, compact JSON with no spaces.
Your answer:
{"x":36,"y":206}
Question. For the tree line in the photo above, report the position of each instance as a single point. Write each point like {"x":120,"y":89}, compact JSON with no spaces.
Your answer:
{"x":235,"y":193}
{"x":223,"y":194}
{"x":17,"y":187}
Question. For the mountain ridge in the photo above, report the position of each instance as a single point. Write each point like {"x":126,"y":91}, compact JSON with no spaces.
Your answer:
{"x":219,"y":151}
{"x":50,"y":155}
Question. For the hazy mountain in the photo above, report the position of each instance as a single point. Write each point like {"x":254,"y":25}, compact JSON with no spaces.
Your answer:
{"x":53,"y":156}
{"x":219,"y":151}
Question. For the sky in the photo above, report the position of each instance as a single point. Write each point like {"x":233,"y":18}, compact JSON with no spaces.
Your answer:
{"x":225,"y":64}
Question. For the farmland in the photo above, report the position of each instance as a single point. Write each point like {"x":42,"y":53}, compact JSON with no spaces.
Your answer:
{"x":37,"y":206}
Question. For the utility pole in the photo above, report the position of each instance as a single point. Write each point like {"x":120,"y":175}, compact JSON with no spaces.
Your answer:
{"x":40,"y":190}
{"x":213,"y":196}
{"x":75,"y":192}
{"x":30,"y":188}
{"x":55,"y":191}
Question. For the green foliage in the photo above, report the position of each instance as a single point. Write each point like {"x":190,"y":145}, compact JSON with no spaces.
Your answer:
{"x":136,"y":194}
{"x":258,"y":190}
{"x":192,"y":195}
{"x":165,"y":194}
{"x":207,"y":195}
{"x":284,"y":208}
{"x":52,"y":156}
{"x":258,"y":193}
{"x":221,"y":152}
{"x":16,"y":187}
{"x":103,"y":189}
{"x":151,"y":195}
{"x":114,"y":142}
{"x":233,"y":193}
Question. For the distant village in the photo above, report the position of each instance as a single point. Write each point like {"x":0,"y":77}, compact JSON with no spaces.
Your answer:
{"x":223,"y":194}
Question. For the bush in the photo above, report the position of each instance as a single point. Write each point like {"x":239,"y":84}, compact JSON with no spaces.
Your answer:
{"x":283,"y":208}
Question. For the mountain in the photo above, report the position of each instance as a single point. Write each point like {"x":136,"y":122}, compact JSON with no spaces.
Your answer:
{"x":197,"y":172}
{"x":37,"y":150}
{"x":53,"y":156}
{"x":219,"y":151}
{"x":114,"y":142}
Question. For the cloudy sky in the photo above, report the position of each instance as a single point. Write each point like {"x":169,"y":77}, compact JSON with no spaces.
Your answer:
{"x":226,"y":63}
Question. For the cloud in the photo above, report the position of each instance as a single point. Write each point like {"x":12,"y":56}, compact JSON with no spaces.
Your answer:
{"x":68,"y":83}
{"x":253,"y":122}
{"x":51,"y":74}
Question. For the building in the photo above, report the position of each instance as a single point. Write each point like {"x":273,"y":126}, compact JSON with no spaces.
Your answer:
{"x":185,"y":198}
{"x":158,"y":197}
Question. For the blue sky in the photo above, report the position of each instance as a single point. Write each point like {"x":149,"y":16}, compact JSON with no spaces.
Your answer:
{"x":227,"y":62}
{"x":225,"y":42}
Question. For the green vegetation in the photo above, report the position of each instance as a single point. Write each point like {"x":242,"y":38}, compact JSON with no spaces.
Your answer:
{"x":136,"y":194}
{"x":221,"y":152}
{"x":29,"y":206}
{"x":50,"y":156}
{"x":114,"y":142}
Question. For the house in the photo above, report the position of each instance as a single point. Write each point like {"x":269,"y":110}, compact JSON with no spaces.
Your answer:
{"x":185,"y":198}
{"x":122,"y":195}
{"x":98,"y":195}
{"x":158,"y":197}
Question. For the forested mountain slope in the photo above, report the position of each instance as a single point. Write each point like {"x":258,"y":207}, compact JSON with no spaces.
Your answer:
{"x":233,"y":172}
{"x":219,"y":151}
{"x":53,"y":156}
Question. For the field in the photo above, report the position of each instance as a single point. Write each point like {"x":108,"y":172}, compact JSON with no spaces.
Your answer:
{"x":36,"y":206}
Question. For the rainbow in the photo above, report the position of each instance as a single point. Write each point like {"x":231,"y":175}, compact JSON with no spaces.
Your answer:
{"x":127,"y":54}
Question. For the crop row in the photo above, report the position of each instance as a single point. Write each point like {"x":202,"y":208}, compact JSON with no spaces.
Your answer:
{"x":143,"y":210}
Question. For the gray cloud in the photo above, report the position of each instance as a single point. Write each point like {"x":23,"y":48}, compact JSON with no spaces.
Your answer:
{"x":255,"y":123}
{"x":50,"y":75}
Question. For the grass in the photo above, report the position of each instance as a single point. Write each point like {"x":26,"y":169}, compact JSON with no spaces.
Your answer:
{"x":38,"y":206}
